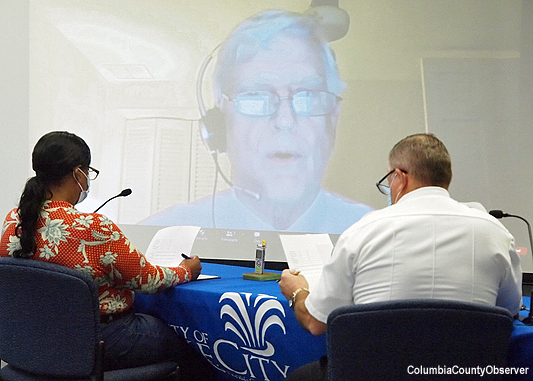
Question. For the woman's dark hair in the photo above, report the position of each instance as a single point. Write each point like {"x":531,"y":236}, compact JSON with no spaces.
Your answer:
{"x":55,"y":156}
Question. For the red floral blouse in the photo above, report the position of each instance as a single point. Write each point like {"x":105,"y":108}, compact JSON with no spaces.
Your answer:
{"x":92,"y":243}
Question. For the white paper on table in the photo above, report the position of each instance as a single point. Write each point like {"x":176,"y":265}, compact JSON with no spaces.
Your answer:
{"x":169,"y":243}
{"x":307,"y":253}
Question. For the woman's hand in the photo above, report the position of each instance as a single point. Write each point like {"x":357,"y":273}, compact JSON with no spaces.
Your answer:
{"x":195,"y":266}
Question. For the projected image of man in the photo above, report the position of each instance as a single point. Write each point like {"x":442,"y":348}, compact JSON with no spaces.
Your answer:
{"x":278,"y":90}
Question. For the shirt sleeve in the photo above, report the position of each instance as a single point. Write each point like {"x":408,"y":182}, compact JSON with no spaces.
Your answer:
{"x":126,"y":267}
{"x":9,"y":242}
{"x":510,"y":292}
{"x":335,"y":287}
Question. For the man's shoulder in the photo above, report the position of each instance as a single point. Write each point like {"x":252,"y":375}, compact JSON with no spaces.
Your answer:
{"x":176,"y":213}
{"x":331,"y":213}
{"x":448,"y":209}
{"x":334,"y":201}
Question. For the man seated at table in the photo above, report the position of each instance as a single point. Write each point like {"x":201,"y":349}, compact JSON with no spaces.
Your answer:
{"x":425,"y":245}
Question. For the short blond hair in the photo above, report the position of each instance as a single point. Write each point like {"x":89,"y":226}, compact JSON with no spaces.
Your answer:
{"x":425,"y":158}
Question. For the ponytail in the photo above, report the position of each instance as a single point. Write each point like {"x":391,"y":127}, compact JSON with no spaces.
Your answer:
{"x":54,"y":156}
{"x":29,"y":210}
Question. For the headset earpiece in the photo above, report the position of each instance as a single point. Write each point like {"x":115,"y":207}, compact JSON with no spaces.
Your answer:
{"x":213,"y":130}
{"x":334,"y":22}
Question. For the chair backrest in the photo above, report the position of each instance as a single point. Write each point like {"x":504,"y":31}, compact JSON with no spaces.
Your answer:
{"x":416,"y":339}
{"x":49,"y":318}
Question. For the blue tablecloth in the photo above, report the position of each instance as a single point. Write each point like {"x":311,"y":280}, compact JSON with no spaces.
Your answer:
{"x":248,"y":332}
{"x":245,"y":328}
{"x":521,"y":346}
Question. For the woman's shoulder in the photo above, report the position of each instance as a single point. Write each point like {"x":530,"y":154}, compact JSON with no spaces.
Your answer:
{"x":10,"y":223}
{"x":12,"y":215}
{"x":64,"y":213}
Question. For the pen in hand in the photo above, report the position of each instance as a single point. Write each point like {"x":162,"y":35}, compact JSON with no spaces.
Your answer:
{"x":292,"y":272}
{"x":195,"y":267}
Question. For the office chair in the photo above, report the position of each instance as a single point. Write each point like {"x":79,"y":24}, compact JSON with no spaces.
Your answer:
{"x":49,"y":327}
{"x":393,"y":340}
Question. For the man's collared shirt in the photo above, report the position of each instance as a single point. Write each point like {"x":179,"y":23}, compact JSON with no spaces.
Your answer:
{"x":425,"y":246}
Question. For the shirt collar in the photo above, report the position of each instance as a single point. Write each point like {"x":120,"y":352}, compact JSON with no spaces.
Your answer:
{"x":425,"y":192}
{"x":57,"y":203}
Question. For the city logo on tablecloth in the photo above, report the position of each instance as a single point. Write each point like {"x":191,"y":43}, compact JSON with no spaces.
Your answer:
{"x":251,"y":330}
{"x":243,"y":352}
{"x":248,"y":319}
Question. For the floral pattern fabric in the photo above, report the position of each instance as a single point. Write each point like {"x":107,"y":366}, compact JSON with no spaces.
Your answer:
{"x":92,"y":243}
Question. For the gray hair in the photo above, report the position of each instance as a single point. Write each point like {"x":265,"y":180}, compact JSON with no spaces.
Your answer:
{"x":425,"y":158}
{"x":254,"y":34}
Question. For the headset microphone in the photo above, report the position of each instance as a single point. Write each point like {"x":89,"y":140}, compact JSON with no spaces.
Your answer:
{"x":212,"y":125}
{"x":333,"y":23}
{"x":249,"y":192}
{"x":213,"y":128}
{"x":255,"y":195}
{"x":330,"y":19}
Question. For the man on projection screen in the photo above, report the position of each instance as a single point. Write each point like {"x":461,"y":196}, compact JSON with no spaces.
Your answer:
{"x":277,"y":89}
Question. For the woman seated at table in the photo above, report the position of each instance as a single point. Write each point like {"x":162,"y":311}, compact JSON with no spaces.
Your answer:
{"x":47,"y":227}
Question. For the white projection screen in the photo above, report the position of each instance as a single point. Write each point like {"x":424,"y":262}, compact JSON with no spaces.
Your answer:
{"x":123,"y":74}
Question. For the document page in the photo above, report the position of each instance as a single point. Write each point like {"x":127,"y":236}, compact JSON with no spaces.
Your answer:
{"x":169,"y":243}
{"x":307,"y":253}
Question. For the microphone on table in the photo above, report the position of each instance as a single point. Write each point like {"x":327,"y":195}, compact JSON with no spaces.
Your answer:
{"x":500,"y":214}
{"x":124,"y":193}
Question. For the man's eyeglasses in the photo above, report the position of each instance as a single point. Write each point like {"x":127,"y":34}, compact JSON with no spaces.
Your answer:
{"x":385,"y":189}
{"x":92,"y":173}
{"x":304,"y":102}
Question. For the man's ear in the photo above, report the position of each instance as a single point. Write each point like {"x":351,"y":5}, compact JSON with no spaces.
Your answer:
{"x":409,"y":183}
{"x":402,"y":177}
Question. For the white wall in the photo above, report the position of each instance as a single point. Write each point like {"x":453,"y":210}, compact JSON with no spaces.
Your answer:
{"x":14,"y":102}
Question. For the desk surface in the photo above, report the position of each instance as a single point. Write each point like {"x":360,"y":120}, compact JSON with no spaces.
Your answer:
{"x":245,"y":328}
{"x":526,"y":301}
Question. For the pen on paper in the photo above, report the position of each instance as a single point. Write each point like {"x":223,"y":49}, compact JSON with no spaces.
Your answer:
{"x":185,"y":256}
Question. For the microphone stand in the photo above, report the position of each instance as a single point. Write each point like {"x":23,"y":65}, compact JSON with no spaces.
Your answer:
{"x":101,"y":206}
{"x":125,"y":192}
{"x":529,"y":319}
{"x":528,"y":230}
{"x":499,"y":214}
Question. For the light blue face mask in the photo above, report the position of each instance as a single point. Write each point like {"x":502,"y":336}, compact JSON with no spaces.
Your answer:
{"x":84,"y":193}
{"x":389,"y":201}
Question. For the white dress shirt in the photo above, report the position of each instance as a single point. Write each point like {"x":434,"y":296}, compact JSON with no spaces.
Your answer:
{"x":425,"y":246}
